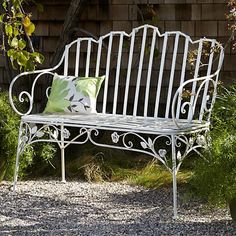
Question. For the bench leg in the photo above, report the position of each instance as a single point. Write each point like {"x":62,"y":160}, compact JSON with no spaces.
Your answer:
{"x":18,"y":153}
{"x":63,"y":172}
{"x":174,"y":177}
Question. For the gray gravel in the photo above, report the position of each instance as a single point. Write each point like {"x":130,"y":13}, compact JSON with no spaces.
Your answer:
{"x":81,"y":208}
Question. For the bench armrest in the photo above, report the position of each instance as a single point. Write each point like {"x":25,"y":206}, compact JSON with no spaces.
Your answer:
{"x":25,"y":95}
{"x":207,"y":86}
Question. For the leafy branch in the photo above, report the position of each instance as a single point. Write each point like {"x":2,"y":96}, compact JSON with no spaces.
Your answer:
{"x":17,"y":28}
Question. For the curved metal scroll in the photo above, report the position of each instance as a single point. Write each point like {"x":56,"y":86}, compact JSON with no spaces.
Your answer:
{"x":206,"y":107}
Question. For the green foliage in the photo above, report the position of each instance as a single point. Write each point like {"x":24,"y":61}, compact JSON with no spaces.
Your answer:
{"x":215,"y":177}
{"x":17,"y":29}
{"x":9,"y":128}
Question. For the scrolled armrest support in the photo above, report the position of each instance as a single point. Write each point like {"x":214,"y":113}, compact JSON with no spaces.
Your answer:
{"x":208,"y":81}
{"x":25,"y":94}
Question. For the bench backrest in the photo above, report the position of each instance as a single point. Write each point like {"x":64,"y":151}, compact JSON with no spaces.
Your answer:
{"x":145,"y":68}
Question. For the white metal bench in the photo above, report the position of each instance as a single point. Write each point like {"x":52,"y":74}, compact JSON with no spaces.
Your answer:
{"x":151,"y":100}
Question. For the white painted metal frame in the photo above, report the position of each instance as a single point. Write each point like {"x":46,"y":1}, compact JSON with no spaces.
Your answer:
{"x":174,"y":135}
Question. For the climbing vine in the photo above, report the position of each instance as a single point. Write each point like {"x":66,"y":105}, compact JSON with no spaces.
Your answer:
{"x":16,"y":30}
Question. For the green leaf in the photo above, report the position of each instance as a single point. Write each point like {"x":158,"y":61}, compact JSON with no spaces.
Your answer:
{"x":1,"y":17}
{"x":19,"y":15}
{"x":15,"y":31}
{"x":14,"y":42}
{"x":38,"y":57}
{"x":22,"y":59}
{"x":8,"y":30}
{"x":21,"y":44}
{"x":30,"y":66}
{"x":4,"y":4}
{"x":12,"y":54}
{"x":26,"y":54}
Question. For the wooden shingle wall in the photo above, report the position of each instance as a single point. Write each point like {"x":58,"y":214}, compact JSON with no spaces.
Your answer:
{"x":197,"y":18}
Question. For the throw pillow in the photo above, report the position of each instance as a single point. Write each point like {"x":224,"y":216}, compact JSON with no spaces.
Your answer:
{"x":73,"y":94}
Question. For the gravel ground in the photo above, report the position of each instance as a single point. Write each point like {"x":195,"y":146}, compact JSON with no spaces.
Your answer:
{"x":81,"y":208}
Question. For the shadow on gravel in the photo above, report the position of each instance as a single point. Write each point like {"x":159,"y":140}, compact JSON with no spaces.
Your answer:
{"x":146,"y":212}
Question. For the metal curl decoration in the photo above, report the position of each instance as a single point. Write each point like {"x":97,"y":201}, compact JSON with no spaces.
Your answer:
{"x":148,"y":145}
{"x":183,"y":109}
{"x":190,"y":144}
{"x":26,"y":94}
{"x":129,"y":144}
{"x":194,"y":99}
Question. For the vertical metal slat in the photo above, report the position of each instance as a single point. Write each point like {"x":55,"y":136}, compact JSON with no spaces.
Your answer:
{"x":140,"y":68}
{"x":149,"y":73}
{"x":160,"y":77}
{"x":77,"y":58}
{"x":88,"y":58}
{"x":190,"y":113}
{"x":183,"y":71}
{"x":128,"y":73}
{"x":107,"y":74}
{"x":172,"y":73}
{"x":98,"y":57}
{"x":66,"y":61}
{"x":207,"y":83}
{"x":118,"y":73}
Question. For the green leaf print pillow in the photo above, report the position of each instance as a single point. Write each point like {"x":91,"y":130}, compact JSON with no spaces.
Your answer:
{"x":73,"y":94}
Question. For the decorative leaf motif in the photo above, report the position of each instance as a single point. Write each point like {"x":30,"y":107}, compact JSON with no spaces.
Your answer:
{"x":201,"y":140}
{"x":162,"y":153}
{"x":55,"y":134}
{"x":115,"y":137}
{"x":144,"y":145}
{"x":150,"y":143}
{"x":179,"y":156}
{"x":34,"y":129}
{"x":191,"y":141}
{"x":72,"y":97}
{"x":86,"y":107}
{"x":40,"y":134}
{"x":66,"y":133}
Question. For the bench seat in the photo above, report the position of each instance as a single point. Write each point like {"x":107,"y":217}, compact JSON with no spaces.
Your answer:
{"x":138,"y":124}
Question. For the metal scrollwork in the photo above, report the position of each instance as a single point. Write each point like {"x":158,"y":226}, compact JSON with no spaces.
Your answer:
{"x":158,"y":146}
{"x":26,"y":96}
{"x":190,"y":106}
{"x":188,"y":144}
